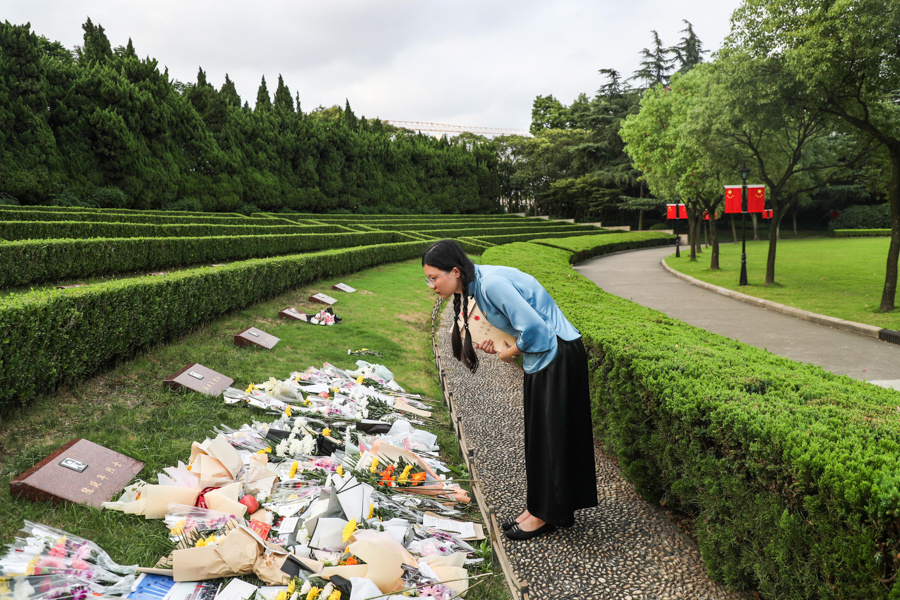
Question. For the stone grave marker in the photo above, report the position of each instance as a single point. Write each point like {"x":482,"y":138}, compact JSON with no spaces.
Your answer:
{"x":322,"y":299}
{"x":292,"y":313}
{"x":80,"y":471}
{"x":343,"y":287}
{"x":256,"y":337}
{"x":159,"y":273}
{"x":66,"y":287}
{"x":198,"y":378}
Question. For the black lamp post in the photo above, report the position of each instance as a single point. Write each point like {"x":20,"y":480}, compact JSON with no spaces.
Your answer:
{"x":745,"y":172}
{"x":677,"y":237}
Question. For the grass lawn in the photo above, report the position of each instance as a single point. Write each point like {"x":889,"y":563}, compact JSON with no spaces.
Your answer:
{"x":836,"y":277}
{"x":128,"y":410}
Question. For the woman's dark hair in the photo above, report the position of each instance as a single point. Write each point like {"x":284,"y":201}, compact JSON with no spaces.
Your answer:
{"x":445,"y":255}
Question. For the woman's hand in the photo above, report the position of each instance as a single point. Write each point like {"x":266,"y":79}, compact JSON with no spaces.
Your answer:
{"x":487,"y":346}
{"x":505,"y":356}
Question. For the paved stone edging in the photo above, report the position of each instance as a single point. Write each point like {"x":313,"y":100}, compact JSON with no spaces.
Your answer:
{"x":851,"y":326}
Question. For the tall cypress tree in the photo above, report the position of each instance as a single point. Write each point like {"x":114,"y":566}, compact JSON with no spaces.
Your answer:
{"x":229,"y":94}
{"x":263,"y":101}
{"x":96,"y":44}
{"x":656,"y":65}
{"x":283,"y":101}
{"x":689,"y":51}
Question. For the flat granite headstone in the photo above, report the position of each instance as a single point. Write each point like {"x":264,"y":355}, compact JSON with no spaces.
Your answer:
{"x":292,"y":313}
{"x":343,"y":287}
{"x":323,"y":299}
{"x":81,"y":471}
{"x":198,"y":378}
{"x":256,"y":337}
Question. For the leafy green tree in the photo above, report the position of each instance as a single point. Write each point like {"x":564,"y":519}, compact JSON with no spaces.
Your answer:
{"x":96,"y":45}
{"x":263,"y":101}
{"x":548,"y":113}
{"x":847,"y":57}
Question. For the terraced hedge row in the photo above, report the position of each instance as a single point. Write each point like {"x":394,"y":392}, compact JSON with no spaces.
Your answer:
{"x":589,"y":246}
{"x":38,"y":261}
{"x":554,"y":232}
{"x":861,"y":233}
{"x":51,"y":336}
{"x":131,"y":211}
{"x":37,"y":230}
{"x":106,"y":216}
{"x":791,"y":473}
{"x":441,"y":231}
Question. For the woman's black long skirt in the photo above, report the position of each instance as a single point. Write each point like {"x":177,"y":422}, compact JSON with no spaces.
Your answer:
{"x":559,"y":443}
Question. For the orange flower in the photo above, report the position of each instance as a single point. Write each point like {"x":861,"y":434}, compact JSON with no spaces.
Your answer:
{"x":417,"y":478}
{"x":352,"y":561}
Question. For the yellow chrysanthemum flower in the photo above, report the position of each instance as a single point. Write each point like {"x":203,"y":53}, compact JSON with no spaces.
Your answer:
{"x":263,"y":451}
{"x":335,"y":390}
{"x":313,"y":593}
{"x":374,"y":464}
{"x":293,"y":471}
{"x":282,"y":595}
{"x":250,"y":388}
{"x":371,"y":510}
{"x":292,"y":586}
{"x":360,"y":379}
{"x":405,"y":474}
{"x":335,"y":595}
{"x":178,"y":528}
{"x":287,"y":410}
{"x":326,"y":432}
{"x":348,"y":530}
{"x":200,"y":543}
{"x":307,"y":402}
{"x":340,"y":470}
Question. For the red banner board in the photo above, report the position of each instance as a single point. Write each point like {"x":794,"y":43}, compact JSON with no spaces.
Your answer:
{"x":732,"y":199}
{"x":767,"y":214}
{"x":834,"y":214}
{"x":756,"y":198}
{"x":670,"y":211}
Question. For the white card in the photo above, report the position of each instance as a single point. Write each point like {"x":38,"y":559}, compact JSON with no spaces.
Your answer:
{"x":465,"y":529}
{"x":237,"y":589}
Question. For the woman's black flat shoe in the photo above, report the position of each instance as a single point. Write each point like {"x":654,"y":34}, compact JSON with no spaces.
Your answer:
{"x":507,"y":525}
{"x":516,"y":532}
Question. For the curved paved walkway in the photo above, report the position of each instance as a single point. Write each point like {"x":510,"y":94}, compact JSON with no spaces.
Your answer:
{"x":640,"y":277}
{"x":623,"y":549}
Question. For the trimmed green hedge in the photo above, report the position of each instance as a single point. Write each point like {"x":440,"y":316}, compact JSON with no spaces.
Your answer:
{"x":488,"y":231}
{"x":38,"y":261}
{"x":112,"y":217}
{"x":38,"y":230}
{"x":861,"y":233}
{"x":497,"y":239}
{"x":790,"y":472}
{"x":52,"y":336}
{"x":588,"y":246}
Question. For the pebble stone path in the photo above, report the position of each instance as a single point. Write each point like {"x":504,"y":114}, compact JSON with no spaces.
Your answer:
{"x":623,"y":549}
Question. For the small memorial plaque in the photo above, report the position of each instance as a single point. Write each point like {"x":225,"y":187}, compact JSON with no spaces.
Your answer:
{"x":343,"y":287}
{"x":198,"y":378}
{"x":66,"y":287}
{"x":81,"y":471}
{"x":218,"y":265}
{"x":323,"y":299}
{"x":293,"y":313}
{"x":256,"y":337}
{"x":159,"y":273}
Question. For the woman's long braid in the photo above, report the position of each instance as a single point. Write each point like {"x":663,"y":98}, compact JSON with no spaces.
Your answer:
{"x":469,"y":358}
{"x":455,"y":341}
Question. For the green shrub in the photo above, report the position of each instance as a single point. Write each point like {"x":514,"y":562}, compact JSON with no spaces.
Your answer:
{"x":587,"y":246}
{"x":38,"y":230}
{"x":876,"y":216}
{"x":789,"y":471}
{"x":110,"y":197}
{"x":52,"y":336}
{"x":109,"y":216}
{"x":38,"y":261}
{"x":659,"y":226}
{"x":495,"y":239}
{"x":861,"y":233}
{"x":488,"y":230}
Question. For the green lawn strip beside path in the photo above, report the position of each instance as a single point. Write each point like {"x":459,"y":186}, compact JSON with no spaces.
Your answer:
{"x":836,"y":277}
{"x":128,"y":410}
{"x":587,"y":246}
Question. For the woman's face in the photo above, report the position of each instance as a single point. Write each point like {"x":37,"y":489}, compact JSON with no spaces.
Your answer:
{"x":443,"y":283}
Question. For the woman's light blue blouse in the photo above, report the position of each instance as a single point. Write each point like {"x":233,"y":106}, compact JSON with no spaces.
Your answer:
{"x":514,"y":302}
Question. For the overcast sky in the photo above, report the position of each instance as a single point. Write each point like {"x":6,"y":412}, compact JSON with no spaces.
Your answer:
{"x":461,"y":62}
